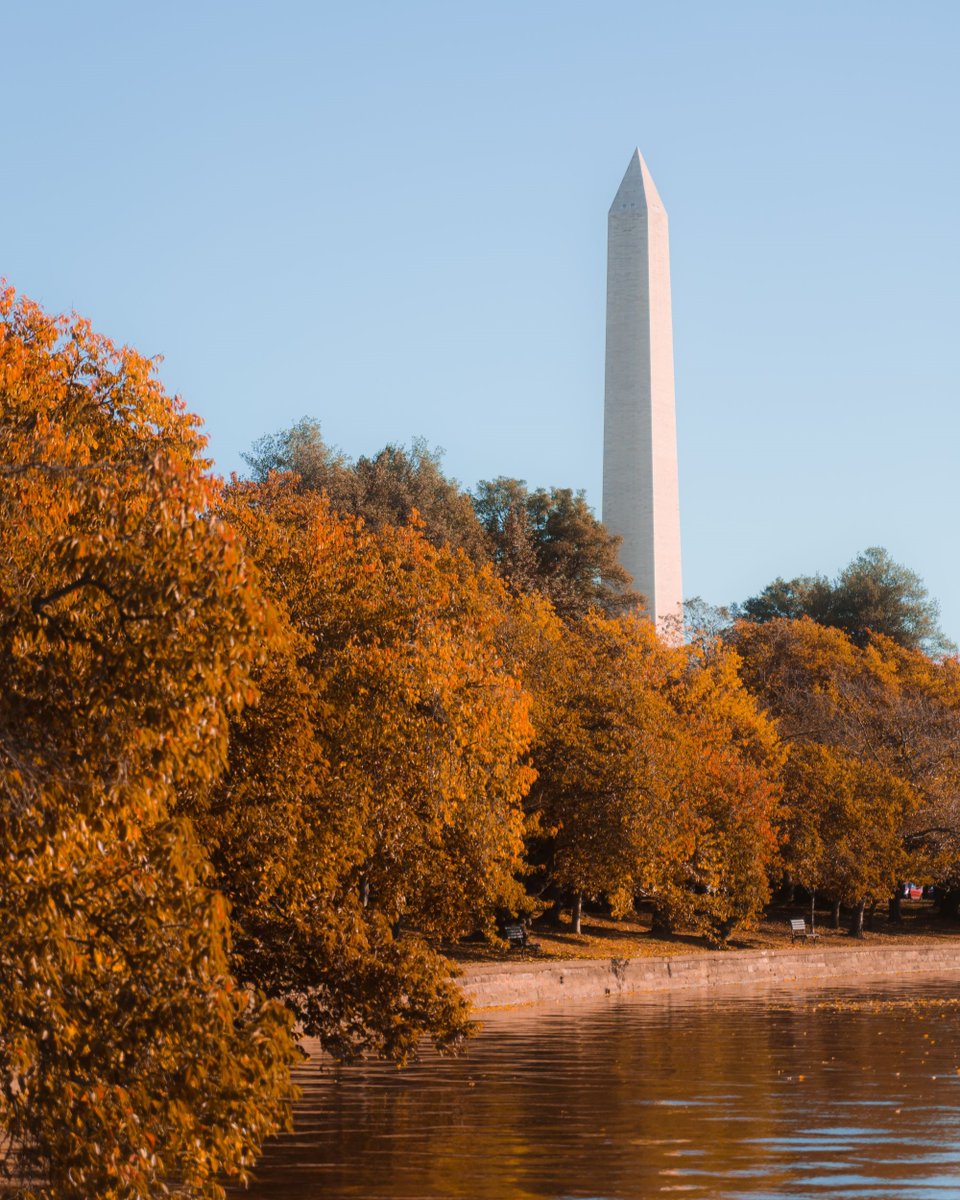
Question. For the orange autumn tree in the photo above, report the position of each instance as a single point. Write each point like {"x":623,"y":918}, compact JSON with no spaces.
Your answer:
{"x":919,"y":728}
{"x":130,"y":1061}
{"x":604,"y":729}
{"x":727,"y":784}
{"x":390,"y":810}
{"x":873,"y":776}
{"x":657,"y":774}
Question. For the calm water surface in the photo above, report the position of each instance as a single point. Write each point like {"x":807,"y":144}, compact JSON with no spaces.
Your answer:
{"x":809,"y":1093}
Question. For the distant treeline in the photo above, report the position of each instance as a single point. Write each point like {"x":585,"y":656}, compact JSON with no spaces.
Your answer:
{"x":268,"y":746}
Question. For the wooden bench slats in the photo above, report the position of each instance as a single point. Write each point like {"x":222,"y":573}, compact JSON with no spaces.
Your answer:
{"x":517,"y":938}
{"x":798,"y":928}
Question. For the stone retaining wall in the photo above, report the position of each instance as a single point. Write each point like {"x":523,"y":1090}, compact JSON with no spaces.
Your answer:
{"x":532,"y":981}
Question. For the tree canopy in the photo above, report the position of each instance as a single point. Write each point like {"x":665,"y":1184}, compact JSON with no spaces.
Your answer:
{"x":547,"y":541}
{"x":657,"y":773}
{"x":130,"y":1059}
{"x":550,"y":541}
{"x":390,"y":810}
{"x":386,"y":490}
{"x":873,"y":772}
{"x":872,"y":594}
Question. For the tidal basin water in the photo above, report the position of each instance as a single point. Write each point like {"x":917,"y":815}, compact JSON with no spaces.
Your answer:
{"x":851,"y":1092}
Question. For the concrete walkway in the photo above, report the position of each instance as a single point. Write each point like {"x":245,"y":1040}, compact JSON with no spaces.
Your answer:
{"x":551,"y":981}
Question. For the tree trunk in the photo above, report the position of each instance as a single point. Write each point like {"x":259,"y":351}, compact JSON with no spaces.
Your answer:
{"x":856,"y":922}
{"x":871,"y":915}
{"x":577,"y":911}
{"x":660,"y":926}
{"x":835,"y":915}
{"x":553,"y":913}
{"x":895,"y":907}
{"x":950,"y":904}
{"x":365,"y":892}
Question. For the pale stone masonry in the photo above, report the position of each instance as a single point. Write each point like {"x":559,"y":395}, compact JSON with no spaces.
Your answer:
{"x":831,"y":963}
{"x":641,"y":499}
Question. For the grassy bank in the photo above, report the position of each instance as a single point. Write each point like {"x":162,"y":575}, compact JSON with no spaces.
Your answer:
{"x":602,"y":937}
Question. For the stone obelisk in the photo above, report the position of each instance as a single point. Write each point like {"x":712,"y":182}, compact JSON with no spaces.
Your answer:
{"x":641,"y":500}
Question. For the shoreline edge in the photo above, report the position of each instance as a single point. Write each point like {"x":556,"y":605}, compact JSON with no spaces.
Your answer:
{"x":524,"y":982}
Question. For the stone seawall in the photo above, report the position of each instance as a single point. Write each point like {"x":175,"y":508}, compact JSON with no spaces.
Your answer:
{"x":552,"y":981}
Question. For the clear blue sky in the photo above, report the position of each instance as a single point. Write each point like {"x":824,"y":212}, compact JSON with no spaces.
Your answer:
{"x":392,"y":217}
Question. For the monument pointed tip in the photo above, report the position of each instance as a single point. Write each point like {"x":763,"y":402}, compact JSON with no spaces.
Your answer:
{"x":637,"y":189}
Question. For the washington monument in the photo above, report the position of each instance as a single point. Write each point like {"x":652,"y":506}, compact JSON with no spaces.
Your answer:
{"x":641,"y":499}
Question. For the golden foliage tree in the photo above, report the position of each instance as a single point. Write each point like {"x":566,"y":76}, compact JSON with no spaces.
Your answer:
{"x":873,"y":777}
{"x":374,"y":796}
{"x":130,"y":1061}
{"x":714,"y":876}
{"x":657,"y":773}
{"x":603,"y":727}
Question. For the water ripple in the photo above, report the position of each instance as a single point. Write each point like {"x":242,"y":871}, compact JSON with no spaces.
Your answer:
{"x":744,"y":1097}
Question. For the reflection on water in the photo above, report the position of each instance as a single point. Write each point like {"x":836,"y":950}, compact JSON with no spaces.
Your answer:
{"x":799,"y":1094}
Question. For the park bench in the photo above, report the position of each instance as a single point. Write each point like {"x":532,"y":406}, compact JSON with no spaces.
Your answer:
{"x":517,"y":939}
{"x":799,"y":929}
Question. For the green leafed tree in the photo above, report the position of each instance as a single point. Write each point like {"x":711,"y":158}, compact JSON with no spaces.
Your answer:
{"x":386,"y":489}
{"x":872,"y":594}
{"x":550,"y":541}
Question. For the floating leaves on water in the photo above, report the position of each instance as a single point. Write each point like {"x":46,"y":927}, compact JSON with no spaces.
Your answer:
{"x":915,"y":1006}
